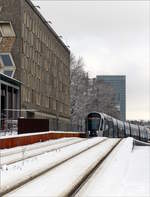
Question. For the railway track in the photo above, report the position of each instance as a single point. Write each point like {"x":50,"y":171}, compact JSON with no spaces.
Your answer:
{"x":96,"y":184}
{"x":21,"y":154}
{"x":83,"y":160}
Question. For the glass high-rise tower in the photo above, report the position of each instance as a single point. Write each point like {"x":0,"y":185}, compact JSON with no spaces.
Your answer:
{"x":118,"y":83}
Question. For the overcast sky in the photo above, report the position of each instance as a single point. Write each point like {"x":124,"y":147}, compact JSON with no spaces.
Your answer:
{"x":113,"y":37}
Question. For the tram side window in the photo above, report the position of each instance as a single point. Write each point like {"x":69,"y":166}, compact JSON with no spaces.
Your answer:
{"x":111,"y":128}
{"x":145,"y":134}
{"x":106,"y":129}
{"x":120,"y":130}
{"x":115,"y":129}
{"x":127,"y":130}
{"x":137,"y":132}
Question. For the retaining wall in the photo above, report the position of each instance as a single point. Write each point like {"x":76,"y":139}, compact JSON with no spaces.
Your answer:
{"x":25,"y":139}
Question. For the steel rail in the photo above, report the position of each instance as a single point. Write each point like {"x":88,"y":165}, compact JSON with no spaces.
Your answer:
{"x":74,"y":190}
{"x":33,"y":175}
{"x":50,"y":149}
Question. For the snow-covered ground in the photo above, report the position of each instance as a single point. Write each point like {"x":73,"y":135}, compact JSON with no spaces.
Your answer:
{"x":59,"y":180}
{"x":7,"y":133}
{"x":12,"y":155}
{"x":125,"y":173}
{"x":10,"y":151}
{"x":15,"y":173}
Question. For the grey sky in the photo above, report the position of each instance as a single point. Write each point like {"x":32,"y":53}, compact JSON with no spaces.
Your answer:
{"x":113,"y":37}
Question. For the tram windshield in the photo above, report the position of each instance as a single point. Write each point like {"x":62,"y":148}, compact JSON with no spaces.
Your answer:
{"x":93,"y":124}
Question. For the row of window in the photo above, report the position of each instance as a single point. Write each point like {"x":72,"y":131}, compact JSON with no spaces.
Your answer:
{"x":42,"y":74}
{"x":35,"y":28}
{"x":46,"y":64}
{"x":61,"y":92}
{"x":44,"y":78}
{"x":46,"y":102}
{"x":33,"y":57}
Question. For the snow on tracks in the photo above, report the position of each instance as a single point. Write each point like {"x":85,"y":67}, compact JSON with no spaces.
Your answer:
{"x":63,"y":180}
{"x":107,"y":180}
{"x":18,"y":154}
{"x":17,"y":175}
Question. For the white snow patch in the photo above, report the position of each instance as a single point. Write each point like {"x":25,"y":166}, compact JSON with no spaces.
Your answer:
{"x":125,"y":173}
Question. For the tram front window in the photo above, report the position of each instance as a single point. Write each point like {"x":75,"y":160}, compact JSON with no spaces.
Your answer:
{"x":93,"y":124}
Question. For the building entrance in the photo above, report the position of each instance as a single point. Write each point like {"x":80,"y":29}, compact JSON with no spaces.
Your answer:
{"x":3,"y":106}
{"x":9,"y":101}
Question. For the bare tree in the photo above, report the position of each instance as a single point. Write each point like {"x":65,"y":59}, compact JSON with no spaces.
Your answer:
{"x":79,"y":80}
{"x":89,"y":95}
{"x":102,"y":98}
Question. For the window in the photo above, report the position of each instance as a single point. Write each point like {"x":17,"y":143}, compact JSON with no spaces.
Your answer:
{"x":6,"y":60}
{"x":6,"y":29}
{"x":25,"y":18}
{"x":54,"y":104}
{"x":1,"y":64}
{"x":28,"y":20}
{"x":7,"y":64}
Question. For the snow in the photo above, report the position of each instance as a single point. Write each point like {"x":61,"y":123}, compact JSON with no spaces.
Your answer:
{"x":10,"y":156}
{"x":125,"y":173}
{"x":7,"y":133}
{"x":10,"y":151}
{"x":23,"y":170}
{"x":4,"y":135}
{"x":137,"y":178}
{"x":59,"y":180}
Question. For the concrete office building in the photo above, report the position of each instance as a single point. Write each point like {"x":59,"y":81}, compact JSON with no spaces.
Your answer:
{"x":118,"y":83}
{"x":41,"y":62}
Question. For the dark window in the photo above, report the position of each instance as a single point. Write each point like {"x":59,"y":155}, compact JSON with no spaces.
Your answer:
{"x":106,"y":129}
{"x":6,"y":60}
{"x":111,"y":128}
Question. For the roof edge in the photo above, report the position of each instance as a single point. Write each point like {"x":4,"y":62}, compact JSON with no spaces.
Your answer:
{"x":45,"y":22}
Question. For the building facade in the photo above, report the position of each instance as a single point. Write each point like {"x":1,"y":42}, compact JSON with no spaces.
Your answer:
{"x":118,"y":83}
{"x":42,"y":63}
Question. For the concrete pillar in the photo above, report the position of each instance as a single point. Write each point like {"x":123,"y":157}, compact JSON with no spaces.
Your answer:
{"x":18,"y":97}
{"x":13,"y":104}
{"x":7,"y":101}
